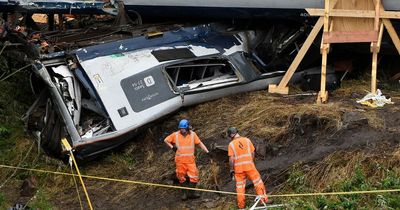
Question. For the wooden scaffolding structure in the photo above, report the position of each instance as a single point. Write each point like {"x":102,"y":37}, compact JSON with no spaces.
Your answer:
{"x":345,"y":21}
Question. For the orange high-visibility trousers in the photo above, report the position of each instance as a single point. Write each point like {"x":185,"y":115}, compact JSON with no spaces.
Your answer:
{"x":253,"y":176}
{"x":189,"y":169}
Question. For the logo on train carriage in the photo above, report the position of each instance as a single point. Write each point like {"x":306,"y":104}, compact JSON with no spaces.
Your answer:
{"x":149,"y":81}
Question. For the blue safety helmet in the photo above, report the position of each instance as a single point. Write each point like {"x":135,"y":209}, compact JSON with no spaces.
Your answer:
{"x":184,"y":124}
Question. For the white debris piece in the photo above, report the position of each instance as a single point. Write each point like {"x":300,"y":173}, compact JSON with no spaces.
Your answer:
{"x":375,"y":100}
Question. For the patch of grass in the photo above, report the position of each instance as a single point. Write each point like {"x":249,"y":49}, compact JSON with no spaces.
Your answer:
{"x":357,"y":182}
{"x":2,"y":201}
{"x":385,"y":201}
{"x":126,"y":160}
{"x":41,"y":201}
{"x":352,"y":171}
{"x":392,"y":181}
{"x":296,"y":180}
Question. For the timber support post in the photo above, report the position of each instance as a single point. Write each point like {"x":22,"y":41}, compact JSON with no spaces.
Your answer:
{"x":357,"y":21}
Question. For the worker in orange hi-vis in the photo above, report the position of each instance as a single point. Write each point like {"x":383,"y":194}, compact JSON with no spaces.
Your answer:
{"x":183,"y":143}
{"x":241,"y":156}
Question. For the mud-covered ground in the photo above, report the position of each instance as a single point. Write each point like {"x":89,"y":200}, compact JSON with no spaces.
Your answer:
{"x":287,"y":132}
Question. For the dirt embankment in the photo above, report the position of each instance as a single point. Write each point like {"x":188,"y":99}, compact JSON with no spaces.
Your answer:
{"x":287,"y":131}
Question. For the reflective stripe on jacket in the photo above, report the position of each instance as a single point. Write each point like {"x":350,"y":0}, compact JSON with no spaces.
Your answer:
{"x":242,"y":154}
{"x":185,"y":148}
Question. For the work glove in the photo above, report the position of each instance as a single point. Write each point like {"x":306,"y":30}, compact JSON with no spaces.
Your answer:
{"x":232,"y":175}
{"x":174,"y":148}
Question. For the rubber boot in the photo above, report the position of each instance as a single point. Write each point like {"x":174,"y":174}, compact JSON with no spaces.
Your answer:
{"x":184,"y":192}
{"x":192,"y":194}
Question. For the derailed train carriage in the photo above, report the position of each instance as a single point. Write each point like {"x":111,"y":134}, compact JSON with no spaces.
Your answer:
{"x":100,"y":96}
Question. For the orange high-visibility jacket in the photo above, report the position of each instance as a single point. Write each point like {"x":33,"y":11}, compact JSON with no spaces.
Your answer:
{"x":185,"y":145}
{"x":241,"y":149}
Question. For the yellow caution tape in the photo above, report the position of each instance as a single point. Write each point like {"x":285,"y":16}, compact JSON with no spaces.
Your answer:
{"x":202,"y":190}
{"x":71,"y":155}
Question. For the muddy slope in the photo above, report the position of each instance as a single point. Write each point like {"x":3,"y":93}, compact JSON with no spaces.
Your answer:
{"x":285,"y":130}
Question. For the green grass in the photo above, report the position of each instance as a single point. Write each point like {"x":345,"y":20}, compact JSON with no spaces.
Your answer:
{"x":296,"y":180}
{"x":125,"y":160}
{"x":297,"y":183}
{"x":2,"y":201}
{"x":41,"y":201}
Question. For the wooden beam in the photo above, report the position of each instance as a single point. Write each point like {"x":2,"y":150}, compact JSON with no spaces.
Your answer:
{"x":375,"y":48}
{"x":327,"y":45}
{"x":378,"y":45}
{"x":393,"y":34}
{"x":323,"y":94}
{"x":374,"y":70}
{"x":299,"y":57}
{"x":377,"y":13}
{"x":380,"y":37}
{"x":333,"y":4}
{"x":272,"y":88}
{"x":323,"y":70}
{"x":354,"y":13}
{"x":350,"y":36}
{"x":326,"y":15}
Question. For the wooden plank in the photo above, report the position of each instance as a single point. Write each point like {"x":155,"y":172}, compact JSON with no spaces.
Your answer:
{"x":322,"y":95}
{"x":350,"y":36}
{"x":354,"y":13}
{"x":377,"y":13}
{"x":323,"y":68}
{"x":300,"y":55}
{"x":282,"y":87}
{"x":380,"y":37}
{"x":393,"y":34}
{"x":333,"y":4}
{"x":377,"y":46}
{"x":326,"y":16}
{"x":276,"y":89}
{"x":326,"y":23}
{"x":374,"y":70}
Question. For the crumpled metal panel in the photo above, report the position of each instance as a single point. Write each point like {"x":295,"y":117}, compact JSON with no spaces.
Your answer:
{"x":63,"y":6}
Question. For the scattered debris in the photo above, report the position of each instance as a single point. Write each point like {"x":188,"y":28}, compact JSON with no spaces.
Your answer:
{"x":19,"y":206}
{"x":375,"y":100}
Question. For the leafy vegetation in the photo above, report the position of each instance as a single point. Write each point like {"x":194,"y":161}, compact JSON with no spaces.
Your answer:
{"x":359,"y":181}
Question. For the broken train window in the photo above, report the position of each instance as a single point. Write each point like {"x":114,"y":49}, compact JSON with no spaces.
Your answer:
{"x":203,"y":73}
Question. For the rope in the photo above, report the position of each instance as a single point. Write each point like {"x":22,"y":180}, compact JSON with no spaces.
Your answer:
{"x":67,"y":146}
{"x":76,"y":186}
{"x":80,"y":178}
{"x":202,"y":190}
{"x":123,"y":181}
